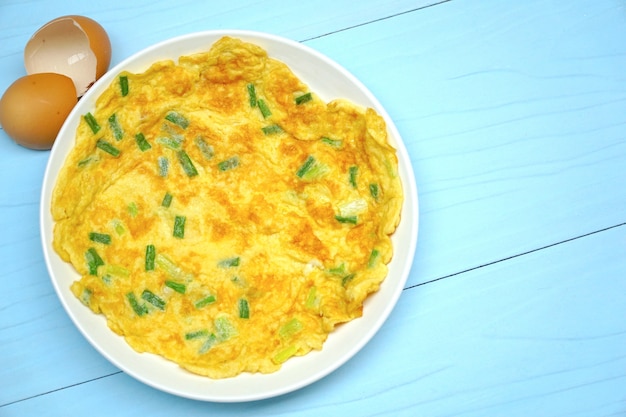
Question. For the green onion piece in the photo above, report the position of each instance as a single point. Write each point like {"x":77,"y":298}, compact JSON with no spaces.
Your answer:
{"x":186,"y":163}
{"x":167,"y":200}
{"x":93,"y":261}
{"x":118,"y":227}
{"x":171,"y":268}
{"x":206,"y":149}
{"x":176,"y":286}
{"x":338,"y":270}
{"x":345,"y":280}
{"x":346,"y":219}
{"x":311,"y":169}
{"x":150,"y":257}
{"x":205,"y":301}
{"x":229,"y":262}
{"x":208,"y":344}
{"x":224,"y":329}
{"x":335,"y":143}
{"x":85,"y":296}
{"x":173,"y":143}
{"x":100,"y":238}
{"x":153,"y":299}
{"x":197,"y":334}
{"x":117,"y":270}
{"x":244,"y":309}
{"x":92,"y":122}
{"x":312,"y":300}
{"x":303,"y":98}
{"x":373,"y":258}
{"x":114,"y":125}
{"x":179,"y":226}
{"x":143,"y":144}
{"x":352,"y":171}
{"x":252,"y":94}
{"x":164,"y":166}
{"x":140,"y":309}
{"x":290,"y":328}
{"x":374,"y":191}
{"x":124,"y":85}
{"x":84,"y":162}
{"x":107,"y":147}
{"x":133,"y":210}
{"x":228,"y":164}
{"x":285,"y":354}
{"x":271,"y":129}
{"x":177,"y":119}
{"x":265,"y":110}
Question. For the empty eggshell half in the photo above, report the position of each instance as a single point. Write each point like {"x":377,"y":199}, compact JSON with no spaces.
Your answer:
{"x":75,"y":46}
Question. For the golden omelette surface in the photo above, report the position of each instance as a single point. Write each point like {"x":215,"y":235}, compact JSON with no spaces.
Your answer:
{"x":222,"y":215}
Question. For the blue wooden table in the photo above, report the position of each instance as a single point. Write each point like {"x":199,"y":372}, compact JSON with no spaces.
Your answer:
{"x":514,"y":115}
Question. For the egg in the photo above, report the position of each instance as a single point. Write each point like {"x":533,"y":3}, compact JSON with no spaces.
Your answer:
{"x":34,"y":107}
{"x":75,"y":46}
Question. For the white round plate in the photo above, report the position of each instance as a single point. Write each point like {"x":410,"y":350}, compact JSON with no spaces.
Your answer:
{"x":329,"y":80}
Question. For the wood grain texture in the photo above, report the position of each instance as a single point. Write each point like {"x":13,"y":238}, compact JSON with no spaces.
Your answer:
{"x":513,"y":115}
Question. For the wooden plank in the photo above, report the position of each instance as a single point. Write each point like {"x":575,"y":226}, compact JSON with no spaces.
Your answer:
{"x":541,"y":335}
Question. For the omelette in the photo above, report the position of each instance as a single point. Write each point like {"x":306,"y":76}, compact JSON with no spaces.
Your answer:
{"x":222,"y":215}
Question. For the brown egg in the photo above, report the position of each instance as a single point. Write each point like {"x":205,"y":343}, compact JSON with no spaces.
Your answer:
{"x":75,"y":46}
{"x":34,"y":107}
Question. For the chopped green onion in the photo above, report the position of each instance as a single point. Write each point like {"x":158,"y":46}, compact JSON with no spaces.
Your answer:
{"x":206,"y":149}
{"x":187,"y":164}
{"x":271,"y":129}
{"x":124,"y":85}
{"x":140,"y":309}
{"x":252,"y":94}
{"x":84,"y":162}
{"x":228,"y":164}
{"x":107,"y":147}
{"x":303,"y":98}
{"x":85,"y":296}
{"x":244,"y":309}
{"x":164,"y":166}
{"x":224,"y":329}
{"x":118,"y":227}
{"x":179,"y":226}
{"x":345,"y":280}
{"x":208,"y":344}
{"x":171,"y":268}
{"x":117,"y":270}
{"x":133,"y":210}
{"x":177,"y":119}
{"x":373,"y":258}
{"x":229,"y":262}
{"x":338,"y":270}
{"x":93,"y":261}
{"x":265,"y":110}
{"x":150,"y":257}
{"x":167,"y":200}
{"x":311,"y":169}
{"x":118,"y":132}
{"x":153,"y":299}
{"x":205,"y":301}
{"x":346,"y":219}
{"x":100,"y":238}
{"x":176,"y":286}
{"x":352,"y":171}
{"x":197,"y":334}
{"x":285,"y":354}
{"x":174,"y":143}
{"x":290,"y":328}
{"x":312,"y":300}
{"x":143,"y":144}
{"x":92,"y":122}
{"x":335,"y":143}
{"x":374,"y":191}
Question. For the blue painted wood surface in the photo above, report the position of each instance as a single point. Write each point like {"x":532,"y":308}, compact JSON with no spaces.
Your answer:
{"x":514,"y":115}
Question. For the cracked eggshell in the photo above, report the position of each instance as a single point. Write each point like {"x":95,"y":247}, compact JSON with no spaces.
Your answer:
{"x":75,"y":46}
